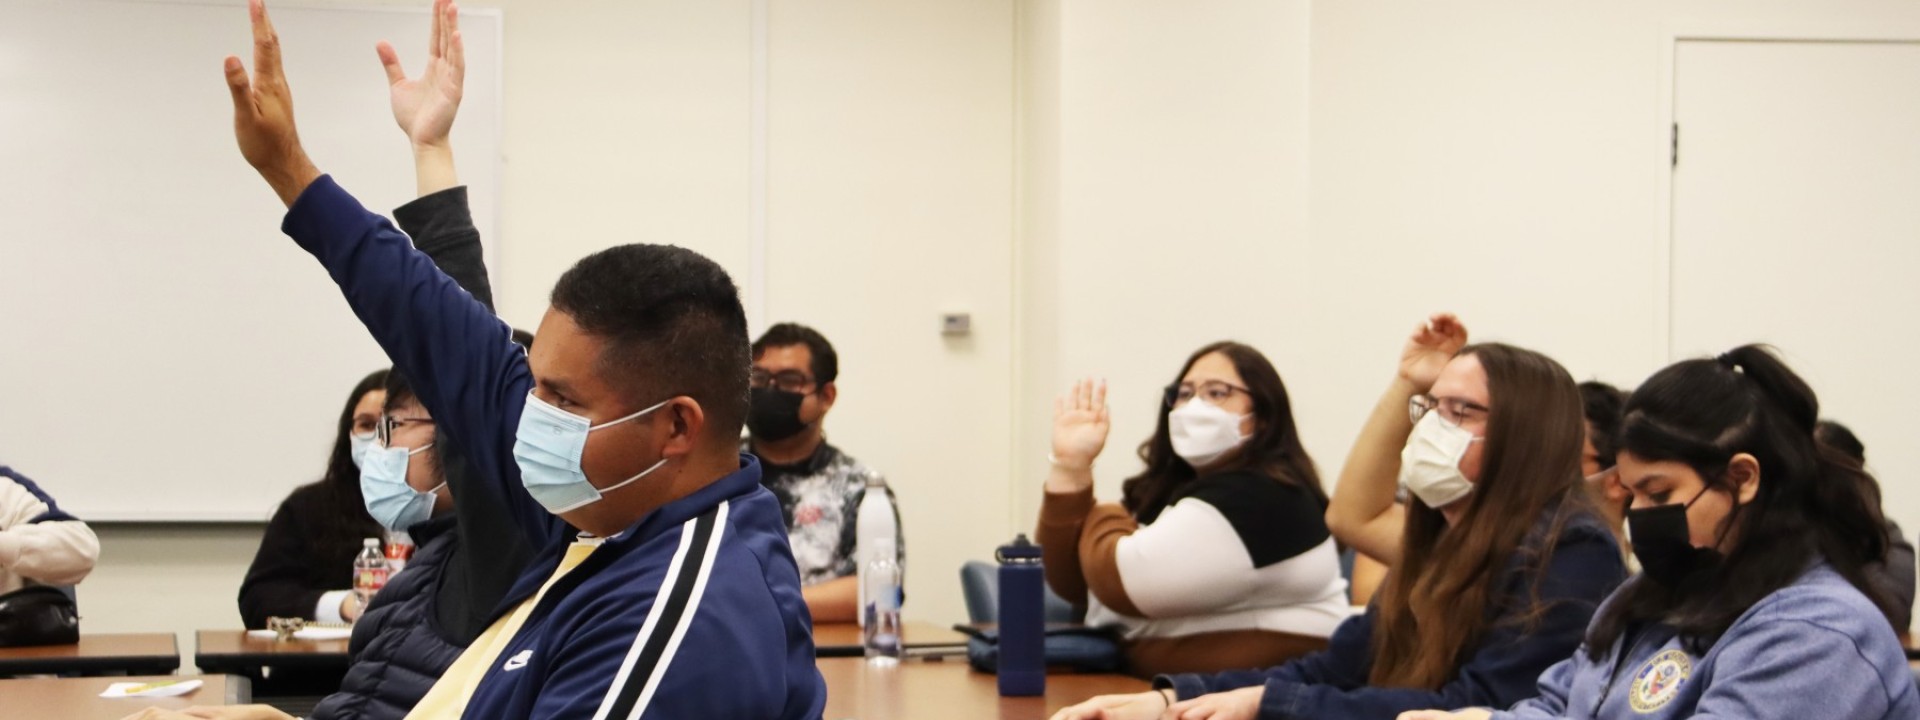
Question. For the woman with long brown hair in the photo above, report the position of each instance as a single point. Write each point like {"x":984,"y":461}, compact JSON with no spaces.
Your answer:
{"x":1218,"y":555}
{"x":1498,"y":559}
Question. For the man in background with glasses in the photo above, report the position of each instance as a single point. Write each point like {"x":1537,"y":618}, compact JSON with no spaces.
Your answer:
{"x":819,"y":487}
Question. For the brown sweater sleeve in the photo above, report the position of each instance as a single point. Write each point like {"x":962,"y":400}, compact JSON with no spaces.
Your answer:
{"x":1061,"y":515}
{"x":1099,"y":539}
{"x":1077,"y":540}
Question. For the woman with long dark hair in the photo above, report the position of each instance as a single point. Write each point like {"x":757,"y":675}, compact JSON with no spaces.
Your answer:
{"x":1755,"y":542}
{"x":1497,"y":560}
{"x":1217,"y":555}
{"x":306,"y":556}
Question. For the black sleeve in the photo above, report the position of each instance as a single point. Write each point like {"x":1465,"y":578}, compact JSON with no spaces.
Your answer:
{"x":1275,"y":520}
{"x":288,"y":574}
{"x":490,"y":549}
{"x":441,"y":226}
{"x":489,"y":553}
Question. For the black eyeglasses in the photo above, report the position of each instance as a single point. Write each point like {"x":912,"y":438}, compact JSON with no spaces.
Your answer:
{"x":388,"y":424}
{"x":1453,"y":411}
{"x":1213,"y":391}
{"x":792,"y":381}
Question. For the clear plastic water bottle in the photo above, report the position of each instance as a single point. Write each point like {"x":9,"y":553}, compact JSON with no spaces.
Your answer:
{"x":881,"y":611}
{"x":873,"y":523}
{"x":369,"y":571}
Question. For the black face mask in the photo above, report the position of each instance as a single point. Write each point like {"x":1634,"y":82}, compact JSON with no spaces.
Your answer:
{"x":1665,"y":548}
{"x":775,"y":414}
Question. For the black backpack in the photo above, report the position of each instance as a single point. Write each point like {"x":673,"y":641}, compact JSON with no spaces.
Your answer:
{"x":38,"y":615}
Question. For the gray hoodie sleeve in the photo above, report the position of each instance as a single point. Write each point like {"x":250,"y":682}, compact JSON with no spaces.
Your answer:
{"x":1556,"y":684}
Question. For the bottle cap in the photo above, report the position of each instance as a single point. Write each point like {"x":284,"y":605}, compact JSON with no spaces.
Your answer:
{"x":1020,"y":550}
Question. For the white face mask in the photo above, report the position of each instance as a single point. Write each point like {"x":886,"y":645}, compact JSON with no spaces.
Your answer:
{"x":1430,"y":463}
{"x":1202,"y":432}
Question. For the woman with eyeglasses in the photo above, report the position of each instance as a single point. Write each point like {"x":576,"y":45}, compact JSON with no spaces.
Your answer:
{"x":1497,"y":561}
{"x":1756,"y":599}
{"x":302,"y":567}
{"x":1218,"y":555}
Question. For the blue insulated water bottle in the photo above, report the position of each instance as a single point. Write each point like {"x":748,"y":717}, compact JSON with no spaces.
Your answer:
{"x":1023,"y":663}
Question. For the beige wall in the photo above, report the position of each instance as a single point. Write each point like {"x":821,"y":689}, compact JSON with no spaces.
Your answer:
{"x":889,"y":202}
{"x":1105,"y":185}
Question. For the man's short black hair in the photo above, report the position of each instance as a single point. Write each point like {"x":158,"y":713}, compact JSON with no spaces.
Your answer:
{"x":673,"y":325}
{"x":826,"y":364}
{"x":1602,"y":404}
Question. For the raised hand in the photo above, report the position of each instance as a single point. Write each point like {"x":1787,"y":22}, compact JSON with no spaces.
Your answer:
{"x":263,"y":113}
{"x":424,"y":106}
{"x":1432,"y":344}
{"x":1080,"y":424}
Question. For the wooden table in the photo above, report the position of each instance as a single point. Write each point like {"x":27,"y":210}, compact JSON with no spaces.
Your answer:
{"x":950,"y":689}
{"x":96,"y":654}
{"x":845,"y":639}
{"x":233,"y":651}
{"x":79,"y":698}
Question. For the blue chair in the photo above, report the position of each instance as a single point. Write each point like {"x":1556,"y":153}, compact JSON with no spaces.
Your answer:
{"x":980,"y":585}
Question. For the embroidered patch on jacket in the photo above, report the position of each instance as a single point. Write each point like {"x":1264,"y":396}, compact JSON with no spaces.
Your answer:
{"x":1659,"y":681}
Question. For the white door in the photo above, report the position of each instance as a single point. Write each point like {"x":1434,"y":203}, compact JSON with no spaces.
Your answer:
{"x":1796,"y":222}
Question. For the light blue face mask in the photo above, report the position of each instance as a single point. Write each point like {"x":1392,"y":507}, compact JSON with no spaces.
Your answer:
{"x":383,"y":486}
{"x":357,"y":447}
{"x":548,"y":445}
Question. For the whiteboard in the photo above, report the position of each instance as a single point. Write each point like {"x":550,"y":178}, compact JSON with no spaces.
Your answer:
{"x":168,"y":354}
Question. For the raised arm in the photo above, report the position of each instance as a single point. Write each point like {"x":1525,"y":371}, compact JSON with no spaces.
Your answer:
{"x":1362,"y":512}
{"x":440,"y":221}
{"x":1080,"y":424}
{"x":466,"y":368}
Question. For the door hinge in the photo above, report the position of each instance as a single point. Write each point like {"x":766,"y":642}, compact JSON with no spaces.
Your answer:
{"x":1674,"y":153}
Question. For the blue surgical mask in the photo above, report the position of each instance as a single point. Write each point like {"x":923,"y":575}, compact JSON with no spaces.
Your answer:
{"x":548,"y":446}
{"x":357,"y":447}
{"x":383,"y":486}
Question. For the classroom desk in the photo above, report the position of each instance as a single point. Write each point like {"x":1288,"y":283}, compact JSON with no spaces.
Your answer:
{"x":79,"y":698}
{"x":845,"y":640}
{"x":232,"y":651}
{"x":96,"y":654}
{"x":292,"y":675}
{"x":949,"y":689}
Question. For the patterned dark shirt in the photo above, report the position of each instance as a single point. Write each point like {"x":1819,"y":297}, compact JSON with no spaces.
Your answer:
{"x":820,"y":498}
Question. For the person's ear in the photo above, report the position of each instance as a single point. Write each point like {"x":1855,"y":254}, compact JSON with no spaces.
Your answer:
{"x":682,"y":421}
{"x":1616,"y":491}
{"x":1743,"y":478}
{"x":828,"y":393}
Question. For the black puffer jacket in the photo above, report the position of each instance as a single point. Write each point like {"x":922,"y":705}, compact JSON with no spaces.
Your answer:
{"x":399,"y":649}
